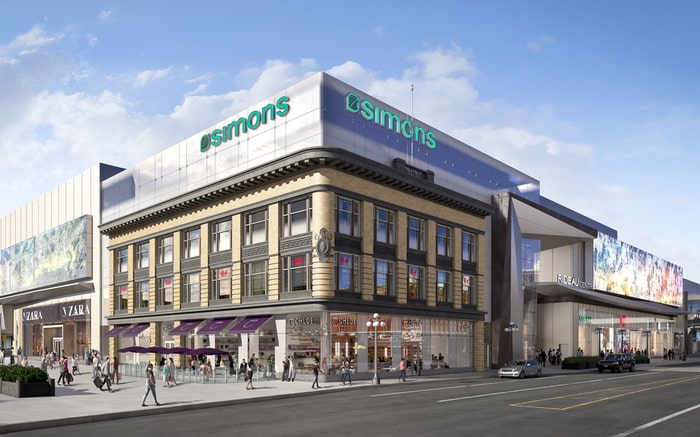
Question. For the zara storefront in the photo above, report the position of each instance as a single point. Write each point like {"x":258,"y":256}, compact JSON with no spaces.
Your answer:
{"x":310,"y":213}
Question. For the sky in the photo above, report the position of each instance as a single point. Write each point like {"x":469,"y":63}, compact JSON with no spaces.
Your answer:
{"x":598,"y":100}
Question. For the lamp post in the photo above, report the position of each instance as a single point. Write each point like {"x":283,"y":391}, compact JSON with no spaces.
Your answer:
{"x":599,"y":331}
{"x":376,"y":323}
{"x":512,"y":327}
{"x":646,"y":334}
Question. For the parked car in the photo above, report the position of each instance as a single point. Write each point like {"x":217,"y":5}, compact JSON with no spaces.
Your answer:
{"x":617,"y":363}
{"x":520,"y":369}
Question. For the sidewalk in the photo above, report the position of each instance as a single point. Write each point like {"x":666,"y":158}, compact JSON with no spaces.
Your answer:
{"x":82,"y":402}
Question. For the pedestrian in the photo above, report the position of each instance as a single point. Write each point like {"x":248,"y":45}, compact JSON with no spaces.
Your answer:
{"x":250,"y":369}
{"x":63,"y":376}
{"x":243,"y":370}
{"x":402,"y":370}
{"x":106,"y":371}
{"x":316,"y":370}
{"x":150,"y":385}
{"x":115,"y":367}
{"x":171,"y":365}
{"x":285,"y":369}
{"x":292,"y":369}
{"x":346,"y":372}
{"x":165,"y":368}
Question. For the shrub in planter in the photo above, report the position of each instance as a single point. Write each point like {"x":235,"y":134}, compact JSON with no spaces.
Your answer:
{"x":641,"y":359}
{"x":15,"y":372}
{"x":583,"y":362}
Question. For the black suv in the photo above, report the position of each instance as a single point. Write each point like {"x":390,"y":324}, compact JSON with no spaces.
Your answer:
{"x":616,"y":363}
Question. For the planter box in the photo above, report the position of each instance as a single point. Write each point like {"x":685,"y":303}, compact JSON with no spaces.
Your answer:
{"x":28,"y":389}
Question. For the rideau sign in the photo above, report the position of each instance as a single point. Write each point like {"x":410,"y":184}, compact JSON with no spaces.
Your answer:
{"x":573,"y":281}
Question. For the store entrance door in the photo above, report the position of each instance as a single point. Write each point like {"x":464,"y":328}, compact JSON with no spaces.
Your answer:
{"x":58,"y":345}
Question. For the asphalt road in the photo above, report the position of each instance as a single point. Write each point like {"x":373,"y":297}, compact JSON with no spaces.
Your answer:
{"x":659,"y":402}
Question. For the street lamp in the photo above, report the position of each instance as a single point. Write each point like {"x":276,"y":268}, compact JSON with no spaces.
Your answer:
{"x":646,"y":334}
{"x":599,"y":331}
{"x":512,"y":327}
{"x":376,"y":323}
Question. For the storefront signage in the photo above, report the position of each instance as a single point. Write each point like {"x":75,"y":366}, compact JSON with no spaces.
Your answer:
{"x":386,"y":119}
{"x":240,"y":126}
{"x":412,"y":324}
{"x":32,"y":315}
{"x":585,"y":319}
{"x":576,"y":282}
{"x":75,"y":310}
{"x":338,"y":321}
{"x":293,"y":322}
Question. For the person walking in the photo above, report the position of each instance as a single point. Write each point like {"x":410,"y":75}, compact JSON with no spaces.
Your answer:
{"x":402,"y":370}
{"x":285,"y":369}
{"x":171,"y":365}
{"x":166,"y":373}
{"x":316,"y":371}
{"x":115,"y":367}
{"x":150,"y":385}
{"x":292,"y":369}
{"x":346,"y":372}
{"x":64,"y":372}
{"x":250,"y":369}
{"x":105,"y":369}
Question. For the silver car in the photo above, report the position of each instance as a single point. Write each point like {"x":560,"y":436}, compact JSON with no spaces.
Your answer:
{"x":520,"y":369}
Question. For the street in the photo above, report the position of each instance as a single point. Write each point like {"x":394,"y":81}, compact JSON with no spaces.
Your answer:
{"x":643,"y":403}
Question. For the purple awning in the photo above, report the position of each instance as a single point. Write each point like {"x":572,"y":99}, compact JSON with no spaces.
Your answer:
{"x":185,"y":328}
{"x":116,"y":330}
{"x":249,"y":325}
{"x":135,"y":330}
{"x":215,"y":326}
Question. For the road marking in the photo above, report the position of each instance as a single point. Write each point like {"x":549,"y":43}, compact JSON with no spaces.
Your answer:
{"x":657,"y":421}
{"x":400,"y":393}
{"x":630,"y":391}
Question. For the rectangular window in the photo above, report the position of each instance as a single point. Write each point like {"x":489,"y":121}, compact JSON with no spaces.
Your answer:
{"x":416,"y":233}
{"x":384,"y":225}
{"x":121,"y":298}
{"x":256,"y":227}
{"x":220,"y":284}
{"x":141,"y":294}
{"x":165,"y":250}
{"x":296,"y":272}
{"x":468,"y":246}
{"x":190,"y":243}
{"x":142,"y":255}
{"x":255,"y":274}
{"x":221,"y":236}
{"x":190,"y":288}
{"x":347,"y":272}
{"x":296,"y":217}
{"x":122,"y":260}
{"x":444,"y":286}
{"x":165,"y":291}
{"x":347,"y":216}
{"x":416,"y":282}
{"x":383,"y":277}
{"x":444,"y":240}
{"x":468,"y":289}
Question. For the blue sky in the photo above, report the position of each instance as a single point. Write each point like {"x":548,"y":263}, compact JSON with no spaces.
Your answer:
{"x":598,"y":100}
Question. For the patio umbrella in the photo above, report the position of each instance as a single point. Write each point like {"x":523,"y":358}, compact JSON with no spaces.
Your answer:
{"x":155,"y":349}
{"x":138,"y":349}
{"x":177,"y":350}
{"x":208,"y":351}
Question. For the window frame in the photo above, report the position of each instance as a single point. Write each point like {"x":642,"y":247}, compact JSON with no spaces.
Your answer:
{"x":389,"y":224}
{"x":290,"y":217}
{"x":418,"y":279}
{"x":251,"y":278}
{"x":446,"y":283}
{"x":143,"y":256}
{"x":215,"y":283}
{"x":162,"y":291}
{"x":468,"y":246}
{"x":121,"y":298}
{"x":191,"y":243}
{"x":121,"y":260}
{"x":347,"y":216}
{"x":187,"y":286}
{"x":165,"y":249}
{"x":351,"y":272}
{"x":469,"y":286}
{"x":218,"y":232}
{"x":443,"y":242}
{"x":139,"y":292}
{"x":251,"y":225}
{"x":389,"y":275}
{"x":415,"y":232}
{"x":288,"y":273}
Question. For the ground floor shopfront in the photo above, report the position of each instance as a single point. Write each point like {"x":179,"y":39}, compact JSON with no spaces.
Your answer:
{"x":62,"y":327}
{"x":570,"y":326}
{"x":432,"y":344}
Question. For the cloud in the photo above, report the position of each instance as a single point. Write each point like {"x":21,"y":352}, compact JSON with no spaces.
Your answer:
{"x":539,"y":43}
{"x":31,"y":41}
{"x":106,"y":16}
{"x":148,"y":76}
